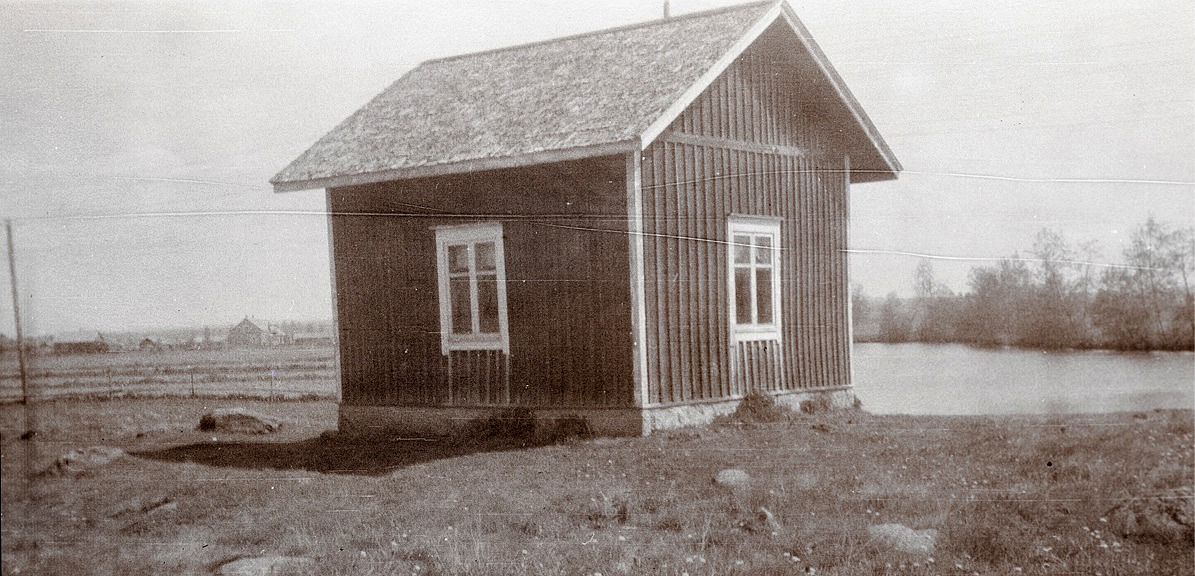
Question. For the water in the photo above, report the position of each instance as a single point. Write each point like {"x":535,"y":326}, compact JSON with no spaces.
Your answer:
{"x":958,"y":379}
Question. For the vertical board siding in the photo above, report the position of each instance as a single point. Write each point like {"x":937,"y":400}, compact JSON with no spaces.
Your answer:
{"x":745,"y":146}
{"x":759,"y":363}
{"x":564,"y":228}
{"x":569,"y":304}
{"x":381,"y":342}
{"x":478,"y":377}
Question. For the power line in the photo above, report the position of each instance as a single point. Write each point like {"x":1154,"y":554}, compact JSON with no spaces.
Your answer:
{"x":928,"y":256}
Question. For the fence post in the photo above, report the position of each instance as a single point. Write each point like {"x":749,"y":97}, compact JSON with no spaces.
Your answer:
{"x":191,"y":370}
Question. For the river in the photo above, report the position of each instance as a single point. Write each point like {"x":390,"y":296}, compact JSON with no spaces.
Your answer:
{"x":958,"y":379}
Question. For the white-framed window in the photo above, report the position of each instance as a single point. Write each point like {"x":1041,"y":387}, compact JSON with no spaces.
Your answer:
{"x":471,"y":273}
{"x":754,"y":277}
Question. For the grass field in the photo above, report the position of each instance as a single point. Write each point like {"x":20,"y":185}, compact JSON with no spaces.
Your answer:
{"x":1009,"y":495}
{"x":278,"y":372}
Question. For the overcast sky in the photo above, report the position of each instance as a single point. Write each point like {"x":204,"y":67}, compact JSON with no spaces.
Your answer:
{"x":136,"y":139}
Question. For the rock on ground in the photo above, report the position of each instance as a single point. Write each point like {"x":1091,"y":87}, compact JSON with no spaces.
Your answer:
{"x":268,"y":566}
{"x":82,"y":460}
{"x":238,"y":421}
{"x":901,"y":538}
{"x":732,"y":478}
{"x":770,"y":521}
{"x":1167,"y":516}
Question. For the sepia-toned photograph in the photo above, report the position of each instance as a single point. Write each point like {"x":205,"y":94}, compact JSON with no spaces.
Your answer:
{"x":624,"y":287}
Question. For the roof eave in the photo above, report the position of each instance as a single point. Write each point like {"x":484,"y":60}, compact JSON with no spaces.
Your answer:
{"x":864,"y":176}
{"x":461,"y":167}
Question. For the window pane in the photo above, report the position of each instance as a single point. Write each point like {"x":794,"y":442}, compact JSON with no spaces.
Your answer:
{"x":763,"y":250}
{"x":462,"y":313}
{"x":485,"y":256}
{"x":742,"y":295}
{"x":487,"y":303}
{"x":742,"y":249}
{"x":763,"y":292}
{"x":458,"y":258}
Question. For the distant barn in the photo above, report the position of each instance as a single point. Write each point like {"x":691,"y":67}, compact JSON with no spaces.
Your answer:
{"x":248,"y":334}
{"x":636,"y":226}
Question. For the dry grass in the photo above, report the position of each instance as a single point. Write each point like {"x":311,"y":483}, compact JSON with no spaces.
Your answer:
{"x":1009,"y":495}
{"x":277,"y":372}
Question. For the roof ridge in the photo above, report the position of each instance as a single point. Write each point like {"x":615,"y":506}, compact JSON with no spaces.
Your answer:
{"x":655,"y":22}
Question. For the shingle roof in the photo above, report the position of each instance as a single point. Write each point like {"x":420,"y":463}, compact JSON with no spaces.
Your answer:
{"x":571,"y":93}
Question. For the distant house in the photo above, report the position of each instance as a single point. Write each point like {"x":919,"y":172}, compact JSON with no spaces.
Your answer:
{"x":276,"y":336}
{"x":39,"y":344}
{"x":148,"y":345}
{"x":249,"y":334}
{"x":96,"y":346}
{"x":637,"y":226}
{"x":312,"y":340}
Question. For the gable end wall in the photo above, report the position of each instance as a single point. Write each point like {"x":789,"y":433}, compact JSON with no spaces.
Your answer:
{"x":751,"y":144}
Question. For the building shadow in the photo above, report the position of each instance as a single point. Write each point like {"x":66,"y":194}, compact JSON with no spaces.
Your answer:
{"x":352,"y":456}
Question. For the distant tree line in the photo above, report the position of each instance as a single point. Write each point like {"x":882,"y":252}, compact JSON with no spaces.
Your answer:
{"x":1057,"y":297}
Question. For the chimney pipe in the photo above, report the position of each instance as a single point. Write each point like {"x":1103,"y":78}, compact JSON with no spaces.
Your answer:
{"x":667,"y":12}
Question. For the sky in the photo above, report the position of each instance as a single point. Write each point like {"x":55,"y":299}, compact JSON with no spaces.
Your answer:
{"x":137,"y":138}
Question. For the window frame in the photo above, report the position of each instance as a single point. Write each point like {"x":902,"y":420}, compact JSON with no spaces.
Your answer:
{"x":754,"y":226}
{"x":470,"y":235}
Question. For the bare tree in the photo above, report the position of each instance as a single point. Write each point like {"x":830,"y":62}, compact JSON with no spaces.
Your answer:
{"x":996,"y":307}
{"x":1149,"y":304}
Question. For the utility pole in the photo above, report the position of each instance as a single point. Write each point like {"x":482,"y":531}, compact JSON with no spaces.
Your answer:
{"x":30,"y":449}
{"x":16,"y":312}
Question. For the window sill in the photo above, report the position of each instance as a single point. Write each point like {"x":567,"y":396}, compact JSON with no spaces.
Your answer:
{"x":470,"y":345}
{"x":744,"y":334}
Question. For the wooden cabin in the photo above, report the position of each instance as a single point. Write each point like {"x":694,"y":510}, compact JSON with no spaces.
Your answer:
{"x":636,"y":226}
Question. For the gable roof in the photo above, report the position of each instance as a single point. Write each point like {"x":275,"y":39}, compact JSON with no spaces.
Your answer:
{"x":248,"y":324}
{"x":600,"y":93}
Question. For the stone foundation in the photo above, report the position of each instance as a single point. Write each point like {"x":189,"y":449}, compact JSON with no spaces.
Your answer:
{"x":700,"y":414}
{"x":440,"y":421}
